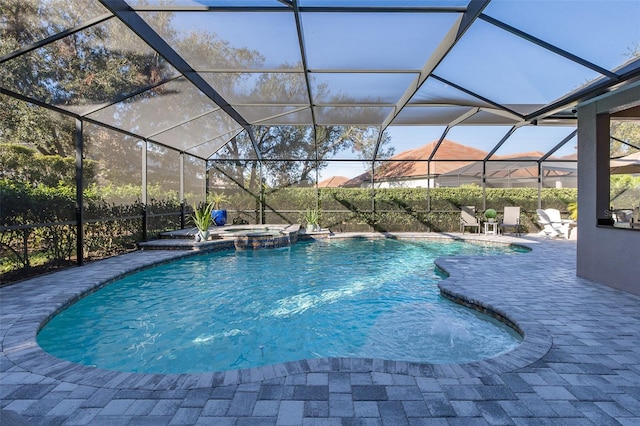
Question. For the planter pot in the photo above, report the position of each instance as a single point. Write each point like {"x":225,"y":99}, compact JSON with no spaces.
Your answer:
{"x":202,"y":236}
{"x":219,"y":217}
{"x":310,"y":228}
{"x":491,"y":220}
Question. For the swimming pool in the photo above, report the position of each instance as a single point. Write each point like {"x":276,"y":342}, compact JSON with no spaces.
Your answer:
{"x":233,"y":310}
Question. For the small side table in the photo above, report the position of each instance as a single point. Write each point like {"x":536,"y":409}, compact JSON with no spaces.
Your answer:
{"x":491,"y":228}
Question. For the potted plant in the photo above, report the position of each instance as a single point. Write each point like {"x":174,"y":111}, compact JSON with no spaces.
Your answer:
{"x":202,"y":219}
{"x":490,"y":214}
{"x":312,"y":217}
{"x":218,"y":215}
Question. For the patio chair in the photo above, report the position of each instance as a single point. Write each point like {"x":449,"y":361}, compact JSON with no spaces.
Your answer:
{"x":559,"y":225}
{"x":545,"y":222}
{"x":511,"y":219}
{"x":468,"y":218}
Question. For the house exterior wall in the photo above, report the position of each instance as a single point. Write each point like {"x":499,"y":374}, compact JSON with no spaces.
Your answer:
{"x":605,"y":254}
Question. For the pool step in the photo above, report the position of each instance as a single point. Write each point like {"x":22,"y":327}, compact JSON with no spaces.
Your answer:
{"x":186,"y":244}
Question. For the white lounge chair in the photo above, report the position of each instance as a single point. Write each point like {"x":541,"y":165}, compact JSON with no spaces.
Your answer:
{"x":511,"y":219}
{"x":547,"y":229}
{"x":560,"y":226}
{"x":468,"y":218}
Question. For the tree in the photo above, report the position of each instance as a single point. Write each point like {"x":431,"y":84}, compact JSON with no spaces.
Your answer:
{"x":23,"y":164}
{"x":100,"y":64}
{"x":627,"y":131}
{"x":293,"y":153}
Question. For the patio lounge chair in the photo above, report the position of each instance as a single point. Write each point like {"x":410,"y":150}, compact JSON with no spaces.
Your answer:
{"x":559,"y":225}
{"x":511,"y":219}
{"x":545,"y":222}
{"x":468,"y":218}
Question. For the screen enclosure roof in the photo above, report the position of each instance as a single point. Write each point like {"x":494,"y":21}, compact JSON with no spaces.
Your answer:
{"x":215,"y":68}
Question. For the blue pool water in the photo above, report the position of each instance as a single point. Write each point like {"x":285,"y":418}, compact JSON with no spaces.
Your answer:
{"x":232,"y":310}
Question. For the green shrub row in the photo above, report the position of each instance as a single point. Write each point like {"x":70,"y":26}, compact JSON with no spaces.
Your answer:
{"x":39,"y":227}
{"x":396,"y":209}
{"x":111,"y":229}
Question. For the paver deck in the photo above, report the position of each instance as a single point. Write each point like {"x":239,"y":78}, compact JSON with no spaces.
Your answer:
{"x":579,"y":362}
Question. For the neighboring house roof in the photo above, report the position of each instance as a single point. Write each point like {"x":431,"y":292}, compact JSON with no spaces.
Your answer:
{"x":461,"y":160}
{"x":404,"y":168}
{"x":333,"y":182}
{"x":514,"y":166}
{"x":521,"y":156}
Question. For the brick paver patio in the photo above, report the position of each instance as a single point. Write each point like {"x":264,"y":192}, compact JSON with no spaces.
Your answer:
{"x":579,"y":362}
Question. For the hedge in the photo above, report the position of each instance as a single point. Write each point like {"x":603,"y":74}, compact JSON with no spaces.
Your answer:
{"x":111,"y":229}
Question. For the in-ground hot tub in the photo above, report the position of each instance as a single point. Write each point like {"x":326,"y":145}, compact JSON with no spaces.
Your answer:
{"x":267,"y":237}
{"x":226,"y":237}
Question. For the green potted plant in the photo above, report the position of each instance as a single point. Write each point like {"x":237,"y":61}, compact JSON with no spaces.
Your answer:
{"x":218,"y":215}
{"x":202,"y":219}
{"x":312,"y":217}
{"x":490,"y":214}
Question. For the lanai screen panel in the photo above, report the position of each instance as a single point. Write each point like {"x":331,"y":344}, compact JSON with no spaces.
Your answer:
{"x":289,"y":190}
{"x":285,"y":142}
{"x":436,"y":92}
{"x":534,"y":142}
{"x":194,"y":179}
{"x":468,"y":174}
{"x":345,"y":65}
{"x":198,"y":131}
{"x":240,"y":181}
{"x":163,"y":176}
{"x":252,"y":59}
{"x":350,"y":174}
{"x":470,"y":142}
{"x":510,"y":70}
{"x":116,"y":162}
{"x":209,"y":148}
{"x":404,"y":138}
{"x":253,"y":88}
{"x":604,"y":32}
{"x":157,"y":110}
{"x":239,"y":147}
{"x":231,"y":41}
{"x":86,"y":70}
{"x":429,"y":115}
{"x":558,"y":174}
{"x":345,"y":153}
{"x":45,"y":18}
{"x":275,"y":115}
{"x":372,"y":40}
{"x":435,"y":95}
{"x":512,"y":174}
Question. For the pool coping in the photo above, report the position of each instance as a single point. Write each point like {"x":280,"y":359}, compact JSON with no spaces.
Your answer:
{"x":49,"y":294}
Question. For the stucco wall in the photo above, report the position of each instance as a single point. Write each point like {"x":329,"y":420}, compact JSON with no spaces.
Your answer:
{"x":610,"y":256}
